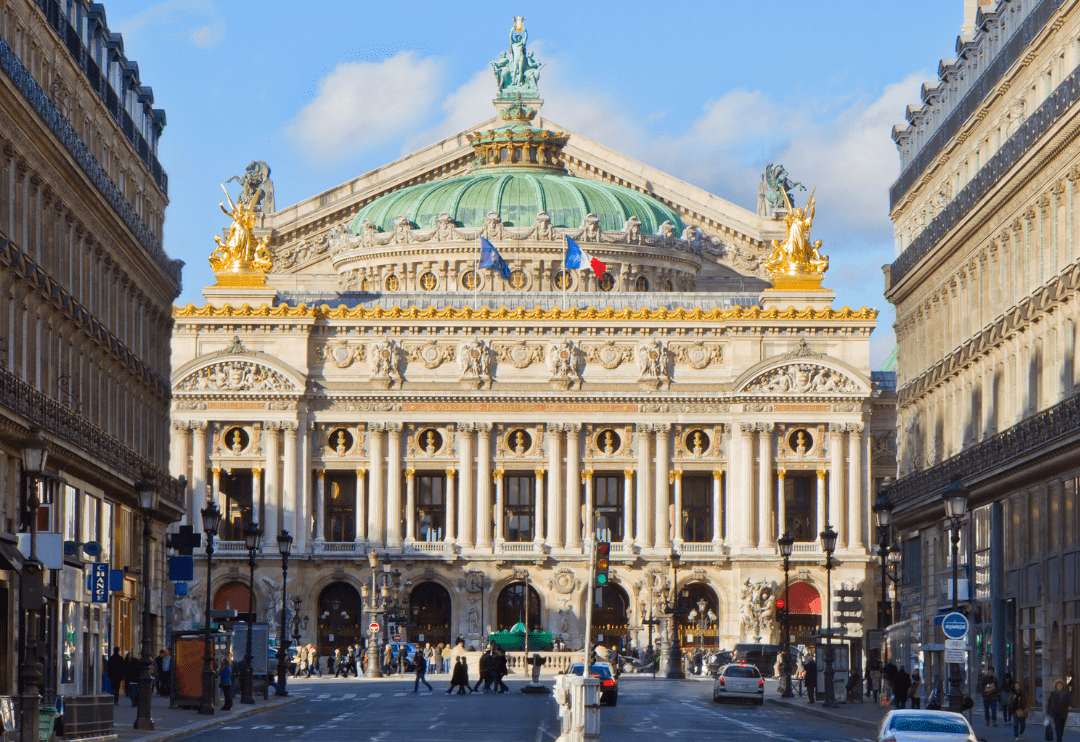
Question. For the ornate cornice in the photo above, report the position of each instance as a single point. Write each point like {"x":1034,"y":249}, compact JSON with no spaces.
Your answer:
{"x":325,"y":312}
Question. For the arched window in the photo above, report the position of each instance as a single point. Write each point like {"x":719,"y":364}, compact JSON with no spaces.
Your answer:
{"x":510,"y":608}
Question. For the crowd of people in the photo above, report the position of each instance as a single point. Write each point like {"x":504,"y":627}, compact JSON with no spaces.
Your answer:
{"x":123,"y":672}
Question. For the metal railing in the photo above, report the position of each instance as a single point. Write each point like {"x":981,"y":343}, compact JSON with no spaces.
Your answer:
{"x":338,"y":548}
{"x":61,"y":127}
{"x":61,"y":421}
{"x":1014,"y":48}
{"x":100,"y":83}
{"x":1038,"y":431}
{"x":988,"y":177}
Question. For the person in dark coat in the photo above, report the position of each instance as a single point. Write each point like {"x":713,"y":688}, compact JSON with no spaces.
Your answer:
{"x":1057,"y":708}
{"x":810,"y":678}
{"x":131,"y":678}
{"x":485,"y":671}
{"x":901,"y":686}
{"x":225,"y":681}
{"x":402,"y":659}
{"x":116,"y":669}
{"x":460,"y":677}
{"x":1006,"y":696}
{"x":421,"y":669}
{"x":500,"y":671}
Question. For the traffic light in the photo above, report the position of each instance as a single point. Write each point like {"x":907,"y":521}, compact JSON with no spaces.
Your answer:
{"x":603,"y":552}
{"x":781,"y":608}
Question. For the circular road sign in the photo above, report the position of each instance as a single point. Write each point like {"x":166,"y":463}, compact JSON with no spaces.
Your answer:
{"x":373,"y":627}
{"x":954,"y":625}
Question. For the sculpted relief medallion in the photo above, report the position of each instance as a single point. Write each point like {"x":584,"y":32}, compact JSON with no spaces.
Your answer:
{"x":341,"y":355}
{"x":431,"y":354}
{"x":800,"y":378}
{"x":698,"y":355}
{"x":520,"y":354}
{"x":609,"y":355}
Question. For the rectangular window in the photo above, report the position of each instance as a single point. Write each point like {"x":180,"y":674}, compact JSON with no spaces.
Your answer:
{"x":340,"y":498}
{"x":236,"y":500}
{"x":430,"y":507}
{"x":607,"y":497}
{"x":800,"y":506}
{"x":911,"y":562}
{"x":697,"y":508}
{"x":519,"y":512}
{"x":71,"y":513}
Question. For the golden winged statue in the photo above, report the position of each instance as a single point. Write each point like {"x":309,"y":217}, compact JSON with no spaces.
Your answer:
{"x":796,"y":260}
{"x":241,"y":252}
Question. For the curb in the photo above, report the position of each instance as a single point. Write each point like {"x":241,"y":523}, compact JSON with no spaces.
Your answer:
{"x":813,"y":710}
{"x":217,"y":721}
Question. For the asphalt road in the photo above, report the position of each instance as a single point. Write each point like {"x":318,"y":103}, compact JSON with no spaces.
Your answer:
{"x":388,"y":711}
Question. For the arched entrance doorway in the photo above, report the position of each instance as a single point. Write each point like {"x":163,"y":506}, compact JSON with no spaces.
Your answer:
{"x":510,"y":608}
{"x":235,"y":596}
{"x":804,"y":605}
{"x":690,"y":633}
{"x":340,"y":620}
{"x":429,"y":614}
{"x":611,"y":616}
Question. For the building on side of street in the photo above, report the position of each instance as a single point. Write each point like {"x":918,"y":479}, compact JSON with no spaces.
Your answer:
{"x":984,"y":284}
{"x":358,"y":377}
{"x":86,"y":294}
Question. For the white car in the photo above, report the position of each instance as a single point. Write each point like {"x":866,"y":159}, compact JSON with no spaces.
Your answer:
{"x":917,"y":725}
{"x":739,"y":682}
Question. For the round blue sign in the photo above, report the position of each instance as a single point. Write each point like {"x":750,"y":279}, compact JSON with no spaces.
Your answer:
{"x":954,"y":625}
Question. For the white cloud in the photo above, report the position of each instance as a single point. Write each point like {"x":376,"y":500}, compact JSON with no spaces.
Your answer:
{"x":467,"y":106}
{"x":198,"y":22}
{"x":362,"y":104}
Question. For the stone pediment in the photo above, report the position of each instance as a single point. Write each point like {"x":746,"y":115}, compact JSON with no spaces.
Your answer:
{"x":236,"y":369}
{"x":802,"y":372}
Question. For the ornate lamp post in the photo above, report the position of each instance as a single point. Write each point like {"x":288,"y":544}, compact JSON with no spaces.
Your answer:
{"x":284,"y":545}
{"x":298,"y":622}
{"x":252,"y":540}
{"x":374,"y":609}
{"x":786,"y":543}
{"x":956,"y":498}
{"x":883,"y":510}
{"x":211,"y":517}
{"x":148,"y":501}
{"x":828,"y":545}
{"x":34,"y":456}
{"x":703,"y":617}
{"x":674,"y":653}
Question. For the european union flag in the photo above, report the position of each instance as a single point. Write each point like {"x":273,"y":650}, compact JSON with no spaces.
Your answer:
{"x":490,"y":259}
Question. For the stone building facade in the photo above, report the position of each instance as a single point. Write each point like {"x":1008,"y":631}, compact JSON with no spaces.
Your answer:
{"x":86,"y":293}
{"x":983,"y":285}
{"x":379,"y":390}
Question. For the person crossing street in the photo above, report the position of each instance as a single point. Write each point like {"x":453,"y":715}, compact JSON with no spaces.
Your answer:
{"x":421,"y":669}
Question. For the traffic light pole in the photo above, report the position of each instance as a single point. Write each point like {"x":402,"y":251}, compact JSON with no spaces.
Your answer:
{"x":591,"y":596}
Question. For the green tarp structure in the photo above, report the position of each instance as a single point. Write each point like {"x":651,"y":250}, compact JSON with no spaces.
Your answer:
{"x":514,"y":639}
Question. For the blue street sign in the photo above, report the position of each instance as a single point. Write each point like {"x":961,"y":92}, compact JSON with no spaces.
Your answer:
{"x":181,"y":568}
{"x":116,"y":580}
{"x":954,"y":625}
{"x":180,"y":588}
{"x":99,"y":583}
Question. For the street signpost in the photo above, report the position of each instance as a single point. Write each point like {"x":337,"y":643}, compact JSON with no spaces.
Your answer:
{"x":958,"y":656}
{"x":374,"y":627}
{"x":954,"y":625}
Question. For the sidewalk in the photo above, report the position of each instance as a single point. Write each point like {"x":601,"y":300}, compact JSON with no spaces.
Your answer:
{"x":866,"y":716}
{"x":172,"y":723}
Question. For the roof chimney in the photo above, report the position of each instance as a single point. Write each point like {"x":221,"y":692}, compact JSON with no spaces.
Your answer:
{"x":971,"y":8}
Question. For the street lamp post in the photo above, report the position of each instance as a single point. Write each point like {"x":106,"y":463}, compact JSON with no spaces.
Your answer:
{"x":252,"y":540}
{"x":956,"y":497}
{"x":378,"y":602}
{"x":284,"y":543}
{"x":883,"y":510}
{"x":298,"y":624}
{"x":828,"y":545}
{"x":786,"y":543}
{"x":702,"y":616}
{"x":674,"y":653}
{"x":35,"y":454}
{"x":211,"y":517}
{"x":148,"y":501}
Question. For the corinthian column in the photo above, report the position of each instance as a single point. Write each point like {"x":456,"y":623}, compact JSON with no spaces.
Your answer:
{"x":288,"y":489}
{"x":320,"y":506}
{"x":483,"y":486}
{"x":855,"y":486}
{"x":573,"y":486}
{"x":500,"y":505}
{"x":377,"y":490}
{"x":836,"y":482}
{"x":740,"y":498}
{"x":360,"y":505}
{"x":781,"y":503}
{"x":554,"y":510}
{"x":821,"y":474}
{"x":393,"y":485}
{"x":661,"y":493}
{"x":198,"y":474}
{"x":717,"y":506}
{"x":677,"y":519}
{"x":272,"y":490}
{"x":450,"y":517}
{"x":764,"y":529}
{"x":641,"y":511}
{"x":410,"y":505}
{"x":538,"y":508}
{"x":628,"y":506}
{"x":590,"y":505}
{"x":465,"y":509}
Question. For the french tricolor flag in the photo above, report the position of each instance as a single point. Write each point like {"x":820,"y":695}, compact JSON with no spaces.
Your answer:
{"x":578,"y":259}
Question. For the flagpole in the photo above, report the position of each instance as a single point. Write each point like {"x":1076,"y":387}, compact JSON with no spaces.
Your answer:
{"x":566,"y":281}
{"x":476,"y":272}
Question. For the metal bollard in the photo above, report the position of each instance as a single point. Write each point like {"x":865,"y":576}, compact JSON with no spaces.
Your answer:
{"x":591,"y":709}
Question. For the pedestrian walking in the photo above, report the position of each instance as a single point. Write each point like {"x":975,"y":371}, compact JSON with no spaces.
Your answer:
{"x":915,"y":694}
{"x":421,"y":669}
{"x":1057,"y":708}
{"x":429,"y":657}
{"x":131,"y":678}
{"x":115,"y":669}
{"x":387,"y":658}
{"x":810,"y":678}
{"x":402,"y":658}
{"x":1005,"y":699}
{"x":901,"y":686}
{"x":460,"y":677}
{"x":988,"y":686}
{"x":333,"y":663}
{"x":445,"y":654}
{"x":225,"y":682}
{"x":350,"y":663}
{"x":500,"y":671}
{"x":485,"y":671}
{"x":1018,"y":710}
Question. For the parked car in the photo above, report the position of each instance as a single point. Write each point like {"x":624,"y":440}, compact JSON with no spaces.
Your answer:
{"x":609,"y":685}
{"x":410,"y":654}
{"x":739,"y":682}
{"x":763,"y":656}
{"x":907,"y":725}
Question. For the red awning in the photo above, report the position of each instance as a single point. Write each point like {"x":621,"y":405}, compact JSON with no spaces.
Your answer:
{"x":802,"y":598}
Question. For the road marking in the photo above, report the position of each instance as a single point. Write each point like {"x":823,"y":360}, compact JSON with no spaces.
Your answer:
{"x":289,"y":729}
{"x":400,"y":695}
{"x":232,"y":727}
{"x":373,"y":695}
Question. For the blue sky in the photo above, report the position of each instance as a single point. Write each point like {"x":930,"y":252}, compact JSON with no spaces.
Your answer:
{"x":707,"y":91}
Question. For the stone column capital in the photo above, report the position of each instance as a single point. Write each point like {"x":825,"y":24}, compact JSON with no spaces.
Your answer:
{"x":361,"y":471}
{"x":539,"y":473}
{"x":822,"y":473}
{"x":410,"y":473}
{"x":781,"y":472}
{"x":628,"y":473}
{"x":450,"y":471}
{"x":256,"y":471}
{"x":498,"y":474}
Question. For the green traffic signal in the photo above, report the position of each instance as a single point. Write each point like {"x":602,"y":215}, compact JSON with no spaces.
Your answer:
{"x":603,"y":550}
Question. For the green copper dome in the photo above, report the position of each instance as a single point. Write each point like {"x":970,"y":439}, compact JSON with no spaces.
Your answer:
{"x":517,"y":195}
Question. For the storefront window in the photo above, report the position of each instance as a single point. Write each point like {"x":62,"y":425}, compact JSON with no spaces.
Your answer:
{"x":70,"y":638}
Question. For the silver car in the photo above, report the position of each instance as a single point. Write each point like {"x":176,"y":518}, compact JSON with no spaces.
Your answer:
{"x":739,"y":682}
{"x":906,"y":725}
